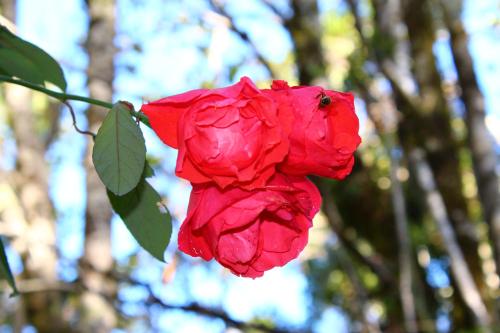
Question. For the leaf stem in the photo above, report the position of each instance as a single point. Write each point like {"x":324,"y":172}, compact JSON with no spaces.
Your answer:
{"x":75,"y":125}
{"x":63,"y":97}
{"x":60,"y":96}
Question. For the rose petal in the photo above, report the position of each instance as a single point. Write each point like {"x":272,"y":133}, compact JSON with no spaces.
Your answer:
{"x":240,"y":246}
{"x":193,"y":243}
{"x":165,"y":113}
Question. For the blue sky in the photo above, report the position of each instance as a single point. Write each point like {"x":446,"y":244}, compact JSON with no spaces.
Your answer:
{"x":171,"y":63}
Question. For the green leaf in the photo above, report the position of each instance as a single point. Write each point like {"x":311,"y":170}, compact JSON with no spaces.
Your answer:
{"x":119,"y":151}
{"x":145,"y":217}
{"x":20,"y":67}
{"x":19,"y":58}
{"x":148,"y":170}
{"x":5,"y":273}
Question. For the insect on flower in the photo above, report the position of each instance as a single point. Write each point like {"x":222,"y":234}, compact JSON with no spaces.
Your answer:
{"x":324,"y":99}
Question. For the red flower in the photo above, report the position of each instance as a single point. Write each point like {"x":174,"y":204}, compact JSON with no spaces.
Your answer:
{"x":250,"y":232}
{"x":242,"y":211}
{"x":325,"y":132}
{"x":231,"y":136}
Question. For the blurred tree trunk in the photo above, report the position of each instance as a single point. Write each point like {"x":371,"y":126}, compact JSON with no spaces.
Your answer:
{"x":386,"y":126}
{"x":430,"y":128}
{"x":458,"y":265}
{"x":98,"y":309}
{"x":8,"y":9}
{"x":427,"y":120}
{"x":306,"y":31}
{"x":479,"y":140}
{"x":29,"y":182}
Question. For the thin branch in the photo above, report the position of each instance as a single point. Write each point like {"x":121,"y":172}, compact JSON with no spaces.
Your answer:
{"x":360,"y":296}
{"x":465,"y":282}
{"x":38,"y":285}
{"x":73,"y":117}
{"x":386,"y":132}
{"x":30,"y":286}
{"x":358,"y":24}
{"x":335,"y":221}
{"x":242,"y":34}
{"x":206,"y":311}
{"x":404,"y":243}
{"x":191,"y":307}
{"x":215,"y":313}
{"x":386,"y":67}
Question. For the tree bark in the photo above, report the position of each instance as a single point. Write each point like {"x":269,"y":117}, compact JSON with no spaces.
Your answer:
{"x":386,"y":125}
{"x":480,"y":141}
{"x":430,"y":128}
{"x":98,"y":310}
{"x":304,"y":28}
{"x":29,"y":182}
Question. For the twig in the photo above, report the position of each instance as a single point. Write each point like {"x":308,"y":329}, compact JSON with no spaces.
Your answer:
{"x":73,"y":116}
{"x":275,"y":10}
{"x":219,"y":314}
{"x":243,"y":35}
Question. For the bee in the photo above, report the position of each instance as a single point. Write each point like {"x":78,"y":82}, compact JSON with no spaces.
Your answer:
{"x":324,"y":99}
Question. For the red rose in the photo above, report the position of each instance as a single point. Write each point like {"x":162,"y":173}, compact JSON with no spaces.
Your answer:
{"x":250,"y":232}
{"x":231,"y":135}
{"x":325,"y":132}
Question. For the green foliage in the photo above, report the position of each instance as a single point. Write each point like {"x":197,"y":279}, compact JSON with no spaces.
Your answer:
{"x":5,"y":273}
{"x":119,"y":152}
{"x":21,"y":59}
{"x":141,"y":210}
{"x":148,"y":170}
{"x":119,"y":158}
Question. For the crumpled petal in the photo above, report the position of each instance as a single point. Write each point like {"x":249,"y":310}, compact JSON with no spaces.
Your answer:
{"x":323,"y":137}
{"x":250,"y":232}
{"x":234,"y":135}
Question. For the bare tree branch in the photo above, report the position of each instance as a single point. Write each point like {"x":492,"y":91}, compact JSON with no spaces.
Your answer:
{"x":404,"y":244}
{"x":386,"y":66}
{"x":215,"y":313}
{"x":220,"y":10}
{"x":41,"y":286}
{"x":463,"y":277}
